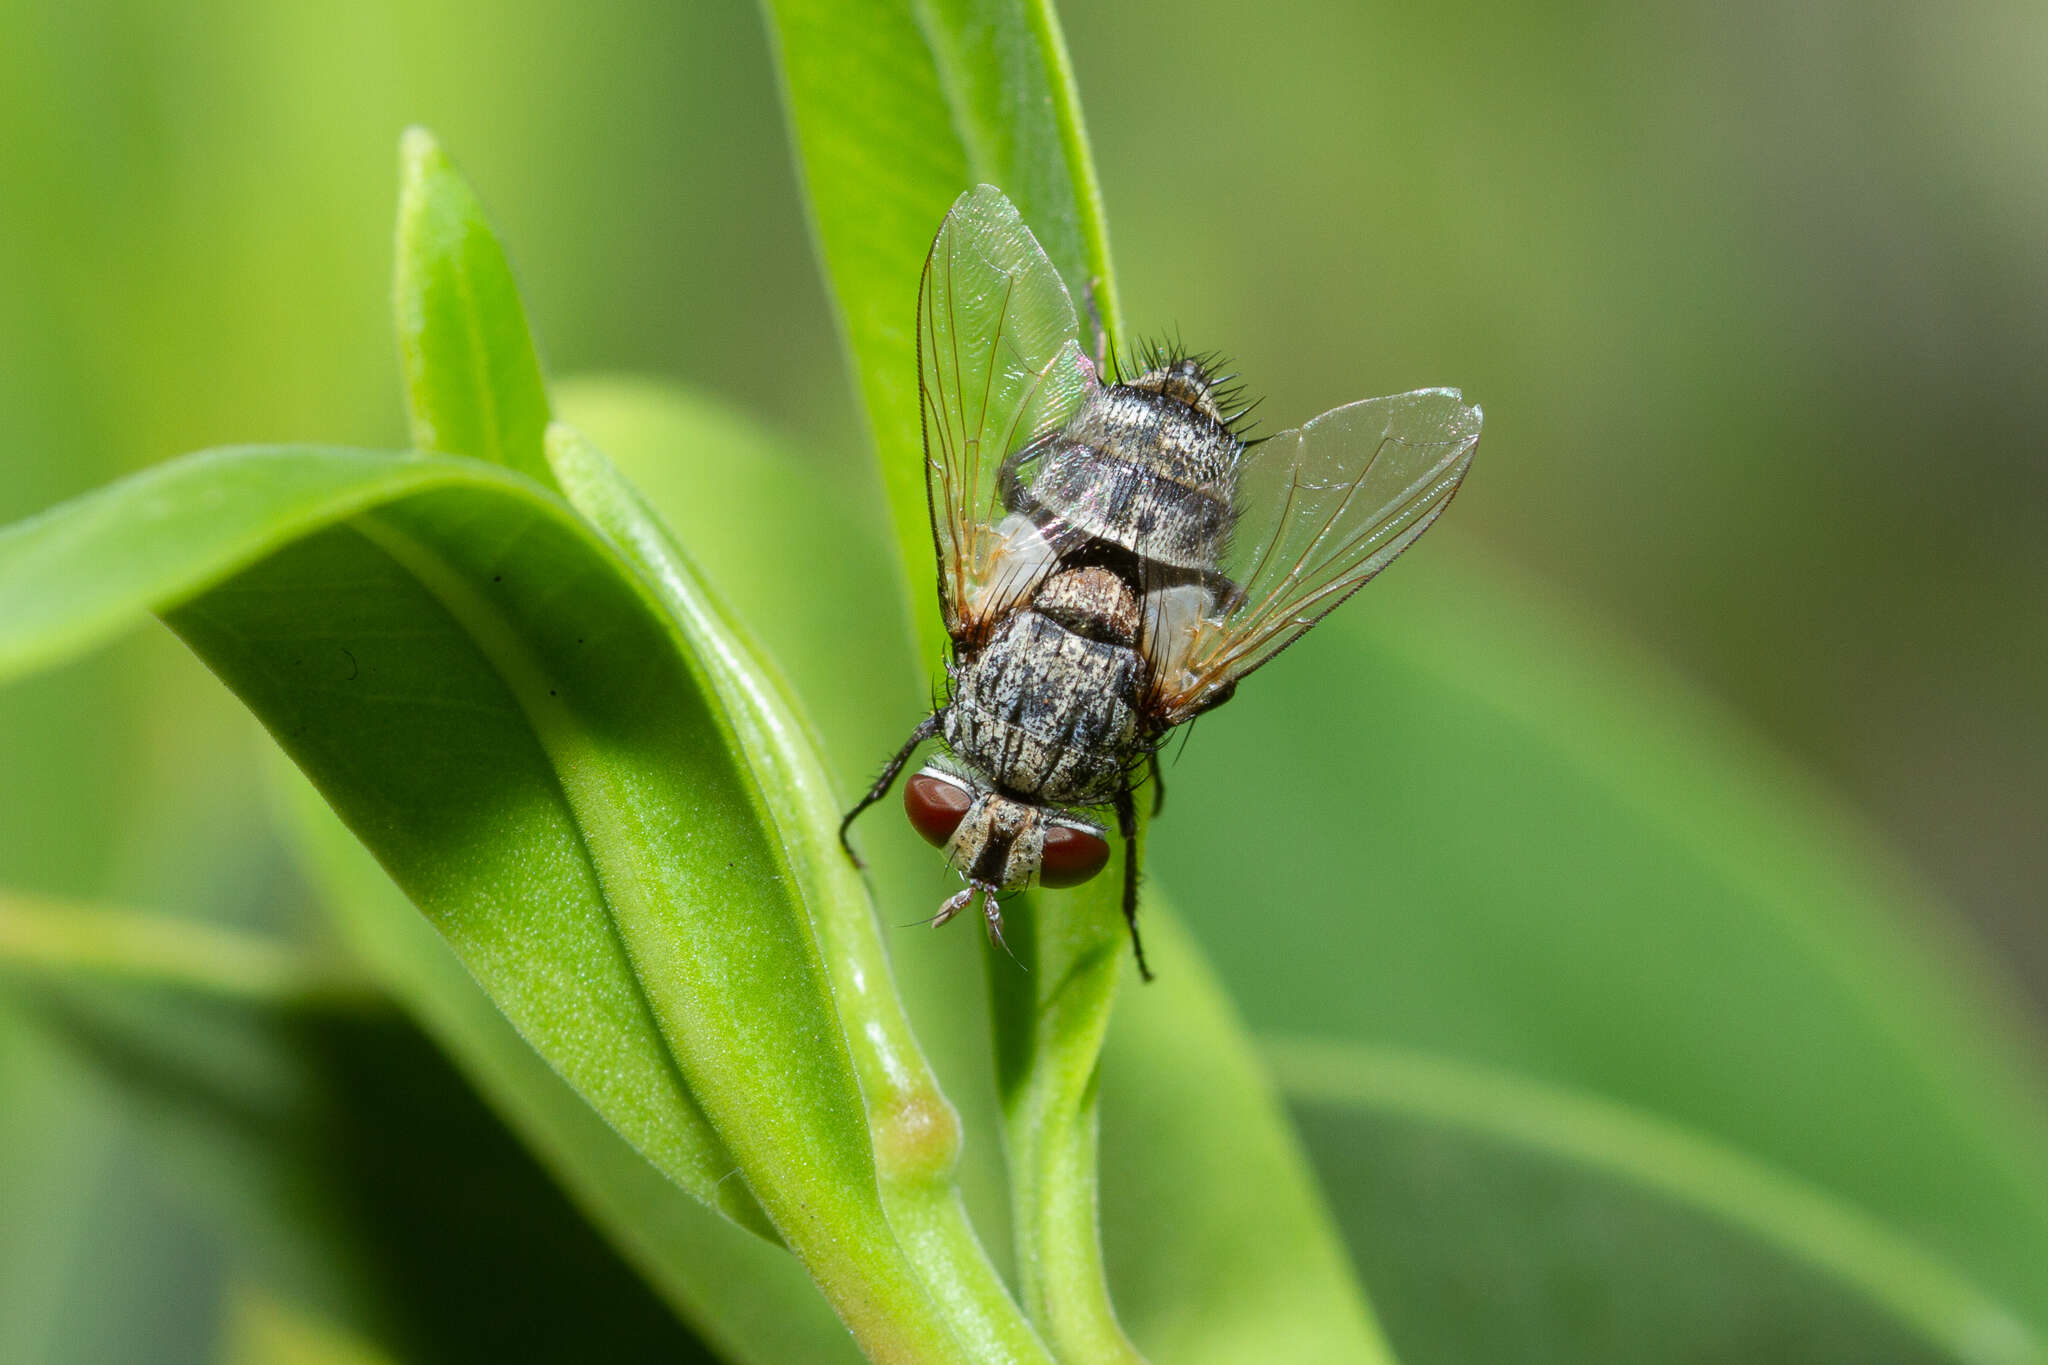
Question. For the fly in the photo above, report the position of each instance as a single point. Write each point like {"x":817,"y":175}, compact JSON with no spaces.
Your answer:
{"x":1114,"y":557}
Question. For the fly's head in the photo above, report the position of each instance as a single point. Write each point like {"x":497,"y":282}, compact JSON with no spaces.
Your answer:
{"x":997,"y":842}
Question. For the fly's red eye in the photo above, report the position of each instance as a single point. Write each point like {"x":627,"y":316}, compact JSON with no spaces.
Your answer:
{"x":935,"y":807}
{"x":1071,"y":856}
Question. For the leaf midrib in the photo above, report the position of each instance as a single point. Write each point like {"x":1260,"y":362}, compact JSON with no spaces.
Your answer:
{"x":599,"y":823}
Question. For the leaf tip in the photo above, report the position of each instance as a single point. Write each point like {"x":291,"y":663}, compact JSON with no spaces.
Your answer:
{"x":419,"y":155}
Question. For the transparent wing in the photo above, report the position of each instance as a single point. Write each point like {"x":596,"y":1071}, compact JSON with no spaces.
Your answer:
{"x":1000,"y":365}
{"x":1319,"y":510}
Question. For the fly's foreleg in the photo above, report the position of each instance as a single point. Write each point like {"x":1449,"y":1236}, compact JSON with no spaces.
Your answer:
{"x":1158,"y":784}
{"x":926,"y":728}
{"x":1101,"y":334}
{"x":1127,"y":825}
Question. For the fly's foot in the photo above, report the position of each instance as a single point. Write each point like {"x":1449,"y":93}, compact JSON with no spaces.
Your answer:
{"x":955,"y":903}
{"x":992,"y":914}
{"x":847,"y":844}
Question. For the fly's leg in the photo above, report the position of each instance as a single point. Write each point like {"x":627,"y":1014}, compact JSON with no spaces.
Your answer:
{"x":1158,"y":784}
{"x":1101,"y":335}
{"x":1127,"y":825}
{"x":926,"y":728}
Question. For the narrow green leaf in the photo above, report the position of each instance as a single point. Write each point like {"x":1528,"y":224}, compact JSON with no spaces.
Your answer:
{"x":1532,"y":849}
{"x":747,"y":1297}
{"x":161,"y":1149}
{"x":497,"y":707}
{"x":1778,"y":1209}
{"x":46,"y":936}
{"x":915,"y":1131}
{"x":62,"y":594}
{"x":169,"y":534}
{"x":897,"y":107}
{"x":1189,"y":1106}
{"x":473,"y":382}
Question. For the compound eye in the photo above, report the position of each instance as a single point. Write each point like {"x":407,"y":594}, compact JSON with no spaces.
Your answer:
{"x":935,"y":807}
{"x":1071,"y":856}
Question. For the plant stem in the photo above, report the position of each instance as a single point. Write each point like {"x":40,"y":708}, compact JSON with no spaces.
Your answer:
{"x":1051,"y":1009}
{"x":1051,"y":1021}
{"x":48,"y":936}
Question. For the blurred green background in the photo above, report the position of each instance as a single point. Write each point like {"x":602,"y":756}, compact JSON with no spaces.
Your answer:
{"x":1754,"y":297}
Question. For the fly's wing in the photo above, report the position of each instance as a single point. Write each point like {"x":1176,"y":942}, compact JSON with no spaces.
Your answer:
{"x":1319,"y":510}
{"x":1000,"y":366}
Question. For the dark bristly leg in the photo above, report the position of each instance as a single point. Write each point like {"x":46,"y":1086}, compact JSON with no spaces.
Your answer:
{"x":1127,"y":825}
{"x":926,"y":728}
{"x":1158,"y":786}
{"x":1101,"y":336}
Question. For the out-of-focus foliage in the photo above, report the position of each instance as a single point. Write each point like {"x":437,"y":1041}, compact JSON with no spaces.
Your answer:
{"x":1751,"y":296}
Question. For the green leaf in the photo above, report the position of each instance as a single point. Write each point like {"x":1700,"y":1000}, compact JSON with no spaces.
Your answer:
{"x":1188,"y":1105}
{"x":1659,"y":1231}
{"x":172,"y":533}
{"x":897,"y":108}
{"x":473,"y":383}
{"x":166,"y":1150}
{"x":493,"y":703}
{"x":915,"y":1131}
{"x":1502,"y":837}
{"x":81,"y":1226}
{"x":745,"y":1296}
{"x":47,"y":937}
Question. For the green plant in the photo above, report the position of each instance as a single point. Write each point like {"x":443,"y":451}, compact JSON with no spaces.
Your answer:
{"x":536,"y":702}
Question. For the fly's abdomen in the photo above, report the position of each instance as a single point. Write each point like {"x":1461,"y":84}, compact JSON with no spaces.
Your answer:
{"x":1047,"y":713}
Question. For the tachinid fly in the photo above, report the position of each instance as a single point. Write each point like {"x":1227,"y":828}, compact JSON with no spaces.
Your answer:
{"x":1113,"y":558}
